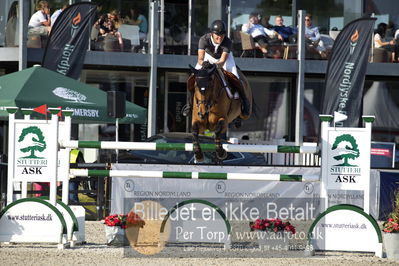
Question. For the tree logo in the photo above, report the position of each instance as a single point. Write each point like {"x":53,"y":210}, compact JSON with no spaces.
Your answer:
{"x":351,"y":149}
{"x":37,"y":141}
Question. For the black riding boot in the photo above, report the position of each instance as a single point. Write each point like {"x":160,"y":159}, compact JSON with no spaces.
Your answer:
{"x":186,"y":110}
{"x":244,"y":100}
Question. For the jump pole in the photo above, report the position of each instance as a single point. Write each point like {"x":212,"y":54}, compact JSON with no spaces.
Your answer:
{"x":152,"y":146}
{"x":195,"y":175}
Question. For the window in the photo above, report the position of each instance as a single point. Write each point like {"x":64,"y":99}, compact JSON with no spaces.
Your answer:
{"x":381,"y":99}
{"x":272,"y":104}
{"x":335,"y":17}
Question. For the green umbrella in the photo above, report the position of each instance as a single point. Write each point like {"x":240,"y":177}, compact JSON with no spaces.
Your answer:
{"x":36,"y":86}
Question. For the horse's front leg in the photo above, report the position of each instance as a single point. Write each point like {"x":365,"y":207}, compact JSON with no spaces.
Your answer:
{"x":199,"y":156}
{"x":221,"y":127}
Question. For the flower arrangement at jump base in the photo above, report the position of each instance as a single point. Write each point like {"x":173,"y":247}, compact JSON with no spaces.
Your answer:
{"x":124,"y":221}
{"x":391,"y":226}
{"x":272,"y":225}
{"x":272,"y":233}
{"x":116,"y":220}
{"x":391,"y":232}
{"x":116,"y":224}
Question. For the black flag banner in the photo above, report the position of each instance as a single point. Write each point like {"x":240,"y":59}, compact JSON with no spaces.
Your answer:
{"x":346,"y":71}
{"x":69,"y":40}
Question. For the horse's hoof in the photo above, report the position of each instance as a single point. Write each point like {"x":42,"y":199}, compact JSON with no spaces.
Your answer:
{"x":221,"y":154}
{"x":245,"y":117}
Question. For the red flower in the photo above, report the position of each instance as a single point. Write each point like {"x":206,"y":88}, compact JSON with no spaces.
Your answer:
{"x":391,"y":226}
{"x":274,"y":225}
{"x":134,"y":220}
{"x":116,"y":220}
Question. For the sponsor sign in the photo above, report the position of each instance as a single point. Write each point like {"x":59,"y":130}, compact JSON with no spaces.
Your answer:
{"x":346,"y":71}
{"x":33,"y":147}
{"x":349,"y":153}
{"x":69,"y":39}
{"x":271,"y":192}
{"x":346,"y":228}
{"x":31,"y":220}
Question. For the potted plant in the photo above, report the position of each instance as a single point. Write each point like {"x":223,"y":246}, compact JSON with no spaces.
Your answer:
{"x":134,"y":223}
{"x":272,"y":232}
{"x":116,"y":224}
{"x":391,"y":232}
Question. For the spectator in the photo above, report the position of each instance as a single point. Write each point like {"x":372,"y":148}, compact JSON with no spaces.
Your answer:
{"x":138,"y":19}
{"x":312,"y":36}
{"x":286,"y":34}
{"x":109,"y":24}
{"x":380,"y":42}
{"x":311,"y":32}
{"x":40,"y":22}
{"x":396,"y":39}
{"x":265,"y":22}
{"x":55,"y":15}
{"x":260,"y":34}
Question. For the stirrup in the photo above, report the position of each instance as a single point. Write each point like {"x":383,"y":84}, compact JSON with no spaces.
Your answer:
{"x":185,"y":111}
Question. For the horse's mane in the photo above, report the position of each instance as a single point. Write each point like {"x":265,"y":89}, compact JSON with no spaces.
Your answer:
{"x":206,"y":65}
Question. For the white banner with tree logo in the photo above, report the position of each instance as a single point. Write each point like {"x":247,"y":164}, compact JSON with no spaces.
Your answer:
{"x":349,"y":161}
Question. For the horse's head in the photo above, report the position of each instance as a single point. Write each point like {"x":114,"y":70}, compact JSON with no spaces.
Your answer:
{"x":204,"y":83}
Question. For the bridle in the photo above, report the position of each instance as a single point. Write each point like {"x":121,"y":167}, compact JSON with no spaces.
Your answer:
{"x":208,"y":103}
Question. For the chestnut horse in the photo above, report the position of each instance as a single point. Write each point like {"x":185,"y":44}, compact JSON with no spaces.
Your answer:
{"x":213,"y":109}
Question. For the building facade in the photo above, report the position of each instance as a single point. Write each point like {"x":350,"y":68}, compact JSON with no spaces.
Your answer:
{"x":177,"y":27}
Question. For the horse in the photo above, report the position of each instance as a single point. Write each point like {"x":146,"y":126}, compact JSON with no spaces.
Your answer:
{"x":213,"y":109}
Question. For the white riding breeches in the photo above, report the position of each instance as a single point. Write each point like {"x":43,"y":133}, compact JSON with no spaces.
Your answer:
{"x":229,"y":65}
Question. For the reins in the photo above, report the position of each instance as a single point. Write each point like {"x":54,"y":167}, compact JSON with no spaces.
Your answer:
{"x":213,"y":98}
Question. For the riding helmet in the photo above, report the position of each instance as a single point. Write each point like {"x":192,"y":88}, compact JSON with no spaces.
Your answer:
{"x":218,"y":27}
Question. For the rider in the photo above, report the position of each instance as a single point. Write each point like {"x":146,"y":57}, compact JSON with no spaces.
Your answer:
{"x":215,"y":47}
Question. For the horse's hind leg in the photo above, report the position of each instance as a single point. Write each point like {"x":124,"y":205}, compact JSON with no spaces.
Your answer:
{"x":199,"y":156}
{"x":221,"y":154}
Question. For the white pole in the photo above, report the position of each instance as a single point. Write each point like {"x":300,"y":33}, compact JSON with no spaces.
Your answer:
{"x":162,"y":28}
{"x":368,"y":126}
{"x":189,"y":33}
{"x":11,"y":156}
{"x":53,"y":160}
{"x":152,"y":98}
{"x":65,"y":155}
{"x":23,"y":34}
{"x":117,"y":136}
{"x":325,"y":121}
{"x":300,"y":82}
